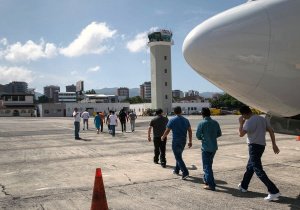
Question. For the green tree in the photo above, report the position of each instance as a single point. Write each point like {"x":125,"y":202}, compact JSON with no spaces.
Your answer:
{"x":43,"y":99}
{"x":134,"y":100}
{"x":227,"y":101}
{"x":92,"y":91}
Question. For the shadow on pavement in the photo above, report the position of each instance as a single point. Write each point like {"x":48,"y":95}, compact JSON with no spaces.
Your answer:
{"x":200,"y":180}
{"x":294,"y":202}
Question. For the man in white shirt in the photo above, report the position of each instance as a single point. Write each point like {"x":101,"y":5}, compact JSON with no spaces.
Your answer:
{"x":113,"y":122}
{"x":85,"y":116}
{"x":255,"y":127}
{"x":77,"y":119}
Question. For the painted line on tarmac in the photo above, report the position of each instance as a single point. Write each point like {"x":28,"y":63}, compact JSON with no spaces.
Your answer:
{"x":45,"y":188}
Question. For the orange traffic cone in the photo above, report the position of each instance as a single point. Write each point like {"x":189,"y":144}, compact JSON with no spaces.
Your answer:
{"x":99,"y":199}
{"x":298,"y":138}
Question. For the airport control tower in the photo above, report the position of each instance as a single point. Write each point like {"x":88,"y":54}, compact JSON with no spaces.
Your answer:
{"x":161,"y":73}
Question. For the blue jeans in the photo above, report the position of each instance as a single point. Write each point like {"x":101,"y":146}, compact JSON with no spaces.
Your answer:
{"x":178,"y":148}
{"x":254,"y":165}
{"x":113,"y":130}
{"x":77,"y":128}
{"x":207,"y":161}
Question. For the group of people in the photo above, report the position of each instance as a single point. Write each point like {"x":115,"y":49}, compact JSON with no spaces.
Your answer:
{"x":208,"y":130}
{"x":111,"y":120}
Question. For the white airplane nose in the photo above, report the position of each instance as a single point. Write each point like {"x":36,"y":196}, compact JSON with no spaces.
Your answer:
{"x":221,"y":48}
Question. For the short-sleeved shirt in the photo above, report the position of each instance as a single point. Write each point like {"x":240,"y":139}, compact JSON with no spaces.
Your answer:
{"x":179,"y":126}
{"x":85,"y":115}
{"x":132,"y":116}
{"x":122,"y":116}
{"x":256,"y":127}
{"x":208,"y":131}
{"x":76,"y":116}
{"x":159,"y":125}
{"x":113,"y":119}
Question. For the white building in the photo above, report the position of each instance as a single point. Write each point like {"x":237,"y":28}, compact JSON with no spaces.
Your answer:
{"x":67,"y":97}
{"x":187,"y":108}
{"x":92,"y":108}
{"x":17,"y":105}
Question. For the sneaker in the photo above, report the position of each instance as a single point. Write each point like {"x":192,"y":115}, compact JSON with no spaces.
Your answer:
{"x":175,"y":172}
{"x":206,"y":187}
{"x":184,"y":177}
{"x":163,"y":165}
{"x":272,"y":197}
{"x":242,"y":189}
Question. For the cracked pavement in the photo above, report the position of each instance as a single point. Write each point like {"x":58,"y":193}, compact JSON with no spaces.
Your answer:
{"x":43,"y":167}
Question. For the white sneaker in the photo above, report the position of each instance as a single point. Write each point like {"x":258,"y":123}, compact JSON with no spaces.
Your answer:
{"x":272,"y":197}
{"x":242,"y":189}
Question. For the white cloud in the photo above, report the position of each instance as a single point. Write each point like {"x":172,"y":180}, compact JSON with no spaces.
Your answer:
{"x":139,"y":43}
{"x":8,"y":74}
{"x":90,"y":40}
{"x":3,"y":41}
{"x":30,"y":51}
{"x":94,"y":69}
{"x":74,"y":73}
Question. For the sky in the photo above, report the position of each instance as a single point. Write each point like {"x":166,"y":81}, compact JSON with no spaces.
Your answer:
{"x":102,"y":42}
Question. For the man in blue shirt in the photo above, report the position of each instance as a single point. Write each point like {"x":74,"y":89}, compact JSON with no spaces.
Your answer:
{"x":179,"y":126}
{"x":208,"y":131}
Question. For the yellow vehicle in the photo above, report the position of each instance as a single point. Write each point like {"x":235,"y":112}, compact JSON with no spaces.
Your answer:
{"x":215,"y":111}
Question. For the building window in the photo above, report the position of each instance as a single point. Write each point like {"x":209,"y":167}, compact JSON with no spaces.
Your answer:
{"x":14,"y":98}
{"x":59,"y":110}
{"x":166,"y":71}
{"x":7,"y":98}
{"x":166,"y":83}
{"x":46,"y":111}
{"x":166,"y":96}
{"x":21,"y":98}
{"x":23,"y":111}
{"x":165,"y":57}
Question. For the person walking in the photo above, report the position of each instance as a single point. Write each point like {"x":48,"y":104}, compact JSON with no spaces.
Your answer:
{"x":107,"y":122}
{"x":255,"y":127}
{"x":159,"y":126}
{"x":208,"y":131}
{"x":179,"y":126}
{"x":123,"y":119}
{"x":102,"y":120}
{"x":97,"y":121}
{"x":76,"y":116}
{"x":113,"y":122}
{"x":85,"y":116}
{"x":132,"y":117}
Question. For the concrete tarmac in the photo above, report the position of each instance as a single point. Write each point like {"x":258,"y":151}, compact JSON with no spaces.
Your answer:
{"x":43,"y":167}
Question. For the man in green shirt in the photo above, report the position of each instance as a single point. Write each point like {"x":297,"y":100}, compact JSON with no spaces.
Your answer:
{"x":208,"y":131}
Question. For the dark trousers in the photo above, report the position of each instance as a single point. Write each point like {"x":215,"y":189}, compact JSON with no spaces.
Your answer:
{"x":178,"y":148}
{"x":77,"y":128}
{"x":207,"y":161}
{"x":86,"y":121}
{"x":159,"y":150}
{"x":254,"y":165}
{"x":101,"y":126}
{"x":123,"y":125}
